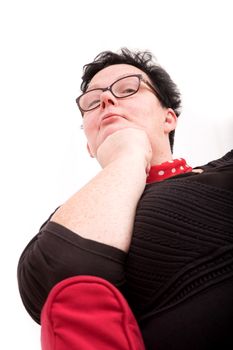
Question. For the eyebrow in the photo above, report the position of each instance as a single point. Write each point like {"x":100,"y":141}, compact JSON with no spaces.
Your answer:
{"x":96,"y":86}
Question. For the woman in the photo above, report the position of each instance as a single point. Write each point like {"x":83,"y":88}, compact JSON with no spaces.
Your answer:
{"x":150,"y":224}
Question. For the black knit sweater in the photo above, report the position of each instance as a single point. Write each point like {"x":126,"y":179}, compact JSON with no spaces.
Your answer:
{"x":179,"y":269}
{"x":178,"y":274}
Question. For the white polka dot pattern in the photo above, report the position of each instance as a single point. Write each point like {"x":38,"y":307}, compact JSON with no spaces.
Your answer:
{"x":160,"y":172}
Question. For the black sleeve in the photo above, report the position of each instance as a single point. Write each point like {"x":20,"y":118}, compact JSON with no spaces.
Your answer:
{"x":56,"y":253}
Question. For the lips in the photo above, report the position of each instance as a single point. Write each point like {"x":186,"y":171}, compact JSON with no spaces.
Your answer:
{"x":108,"y":115}
{"x":104,"y":120}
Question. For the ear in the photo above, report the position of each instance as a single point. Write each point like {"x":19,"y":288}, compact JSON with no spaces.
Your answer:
{"x":170,"y":121}
{"x":90,"y":152}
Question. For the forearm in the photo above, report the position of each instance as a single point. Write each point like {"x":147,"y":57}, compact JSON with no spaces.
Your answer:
{"x":104,"y":209}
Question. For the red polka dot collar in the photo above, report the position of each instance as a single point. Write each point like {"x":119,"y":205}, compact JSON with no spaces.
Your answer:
{"x":168,"y":169}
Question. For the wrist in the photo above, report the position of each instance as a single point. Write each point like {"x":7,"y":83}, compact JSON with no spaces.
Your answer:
{"x":133,"y":170}
{"x":134,"y":160}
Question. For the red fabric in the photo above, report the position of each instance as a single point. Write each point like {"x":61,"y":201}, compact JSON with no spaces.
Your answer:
{"x":168,"y":169}
{"x":88,"y":313}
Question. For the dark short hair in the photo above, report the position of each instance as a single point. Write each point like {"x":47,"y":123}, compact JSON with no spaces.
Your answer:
{"x":144,"y":60}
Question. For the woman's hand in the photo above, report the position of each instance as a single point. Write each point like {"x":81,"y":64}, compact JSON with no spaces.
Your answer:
{"x":126,"y":143}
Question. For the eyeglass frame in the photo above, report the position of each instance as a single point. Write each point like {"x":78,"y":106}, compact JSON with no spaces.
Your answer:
{"x":109,"y":88}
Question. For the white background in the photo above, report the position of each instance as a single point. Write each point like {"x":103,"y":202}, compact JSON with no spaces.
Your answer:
{"x":44,"y":45}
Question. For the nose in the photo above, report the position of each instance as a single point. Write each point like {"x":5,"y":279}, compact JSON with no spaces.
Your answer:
{"x":107,"y":98}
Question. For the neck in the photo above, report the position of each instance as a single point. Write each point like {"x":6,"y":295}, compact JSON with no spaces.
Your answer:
{"x":161,"y":157}
{"x":161,"y":151}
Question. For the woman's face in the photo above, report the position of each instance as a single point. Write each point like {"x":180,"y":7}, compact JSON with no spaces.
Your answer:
{"x":141,"y":110}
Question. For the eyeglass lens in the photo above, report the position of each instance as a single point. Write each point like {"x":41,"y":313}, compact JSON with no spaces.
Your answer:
{"x":121,"y":88}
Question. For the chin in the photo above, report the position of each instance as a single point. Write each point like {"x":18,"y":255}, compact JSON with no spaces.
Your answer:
{"x":110,"y":129}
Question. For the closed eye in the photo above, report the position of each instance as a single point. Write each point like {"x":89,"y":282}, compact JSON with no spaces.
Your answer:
{"x":93,"y":103}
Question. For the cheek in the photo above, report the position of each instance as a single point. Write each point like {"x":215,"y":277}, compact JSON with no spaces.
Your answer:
{"x":90,"y":130}
{"x":90,"y":125}
{"x":144,"y":107}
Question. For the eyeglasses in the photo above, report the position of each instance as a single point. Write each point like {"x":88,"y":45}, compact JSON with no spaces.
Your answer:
{"x":121,"y":88}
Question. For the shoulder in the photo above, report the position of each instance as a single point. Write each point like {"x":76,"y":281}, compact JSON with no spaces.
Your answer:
{"x":217,"y":175}
{"x":225,"y":161}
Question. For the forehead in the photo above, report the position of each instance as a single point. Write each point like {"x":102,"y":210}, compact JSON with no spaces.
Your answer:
{"x":108,"y":75}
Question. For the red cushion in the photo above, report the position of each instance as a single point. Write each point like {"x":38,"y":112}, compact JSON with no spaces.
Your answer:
{"x":88,"y":313}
